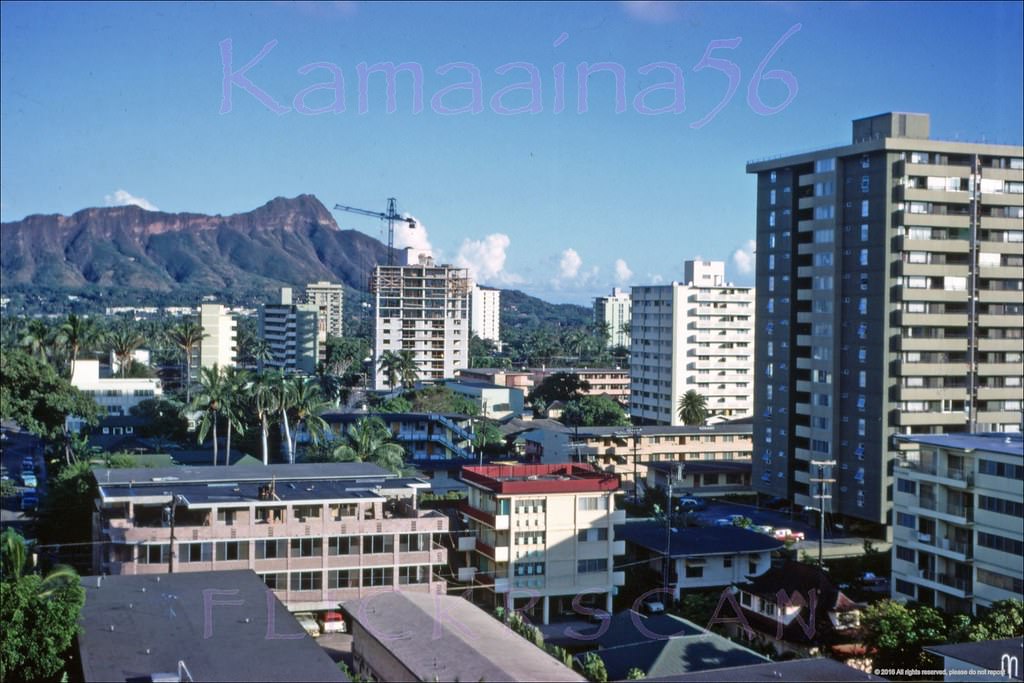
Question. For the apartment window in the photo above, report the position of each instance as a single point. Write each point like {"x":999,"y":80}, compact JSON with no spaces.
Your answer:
{"x":232,"y":550}
{"x":591,"y":535}
{"x":862,"y":305}
{"x":824,"y":165}
{"x":694,"y":572}
{"x":270,"y":515}
{"x":863,"y":232}
{"x":905,"y":520}
{"x":378,"y":544}
{"x":824,"y":236}
{"x":771,"y":219}
{"x":413,"y":575}
{"x":342,"y":578}
{"x":411,"y":543}
{"x":1000,"y":543}
{"x":824,"y":212}
{"x":906,"y":486}
{"x":771,"y":261}
{"x":1007,"y":583}
{"x":378,"y":576}
{"x":865,"y":162}
{"x":771,"y":197}
{"x":772,"y":177}
{"x":588,"y":503}
{"x":269,"y":550}
{"x":823,"y":258}
{"x":343,"y":545}
{"x":862,"y":330}
{"x":304,"y":512}
{"x":277,"y":581}
{"x":904,"y":587}
{"x":864,"y":208}
{"x":863,"y":257}
{"x":306,"y":581}
{"x":1001,"y":506}
{"x":307,"y":547}
{"x":865,"y":183}
{"x":862,"y":379}
{"x":752,"y":567}
{"x":591,"y":566}
{"x":727,"y":562}
{"x":154,"y":554}
{"x":227,"y":516}
{"x":862,"y":426}
{"x":195,"y":552}
{"x":862,"y":355}
{"x":1000,"y":469}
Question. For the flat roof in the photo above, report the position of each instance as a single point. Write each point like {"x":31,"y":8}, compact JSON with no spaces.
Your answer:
{"x":142,"y":476}
{"x":448,"y":638}
{"x":816,"y":669}
{"x":985,"y":654}
{"x":526,"y":479}
{"x":989,"y":442}
{"x":733,"y":427}
{"x":696,"y":541}
{"x":217,"y":623}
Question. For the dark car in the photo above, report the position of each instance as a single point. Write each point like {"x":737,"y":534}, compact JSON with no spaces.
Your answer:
{"x":776,"y":503}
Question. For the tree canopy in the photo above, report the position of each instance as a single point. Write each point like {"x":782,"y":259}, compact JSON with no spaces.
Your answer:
{"x":559,"y":386}
{"x":595,"y":411}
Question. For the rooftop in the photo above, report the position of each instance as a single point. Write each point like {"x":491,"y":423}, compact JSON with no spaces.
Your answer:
{"x":447,"y":638}
{"x":818,"y":669}
{"x":744,"y":426}
{"x":701,"y":466}
{"x":696,"y":541}
{"x":985,"y":654}
{"x":217,"y":623}
{"x":989,"y":442}
{"x":526,"y":479}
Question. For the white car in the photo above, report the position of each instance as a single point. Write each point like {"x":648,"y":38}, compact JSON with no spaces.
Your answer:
{"x":653,"y":606}
{"x":308,"y":623}
{"x":723,"y":522}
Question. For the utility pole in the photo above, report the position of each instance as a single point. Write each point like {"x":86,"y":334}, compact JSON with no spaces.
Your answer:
{"x":635,"y":431}
{"x":668,"y":526}
{"x":822,"y":496}
{"x":169,"y":510}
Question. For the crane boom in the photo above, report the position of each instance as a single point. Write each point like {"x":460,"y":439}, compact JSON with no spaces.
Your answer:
{"x":391,"y":215}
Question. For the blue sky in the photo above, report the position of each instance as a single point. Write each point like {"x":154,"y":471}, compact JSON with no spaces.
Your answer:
{"x":108,"y":103}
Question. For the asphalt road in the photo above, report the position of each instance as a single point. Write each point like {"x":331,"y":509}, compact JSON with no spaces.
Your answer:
{"x":15,"y":446}
{"x":761,"y":516}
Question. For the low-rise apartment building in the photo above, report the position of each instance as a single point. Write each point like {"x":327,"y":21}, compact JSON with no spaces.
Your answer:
{"x":495,"y":401}
{"x":317,"y":534}
{"x":540,"y":535}
{"x":616,"y":448}
{"x":115,"y":395}
{"x":958,"y":501}
{"x":612,"y":382}
{"x":517,"y":379}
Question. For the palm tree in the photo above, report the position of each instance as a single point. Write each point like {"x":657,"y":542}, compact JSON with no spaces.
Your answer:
{"x":408,"y":370}
{"x":263,"y":395}
{"x":390,"y":364}
{"x":186,"y":336}
{"x":330,"y":384}
{"x":370,"y":440}
{"x":15,"y":560}
{"x":308,"y":404}
{"x":36,"y":338}
{"x":693,"y":408}
{"x":236,"y":382}
{"x":77,"y":333}
{"x":284,"y":392}
{"x":210,"y":399}
{"x":123,"y":342}
{"x":576,"y":343}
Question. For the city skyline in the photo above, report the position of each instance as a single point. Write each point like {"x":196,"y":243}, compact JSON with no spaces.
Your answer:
{"x":532,"y":192}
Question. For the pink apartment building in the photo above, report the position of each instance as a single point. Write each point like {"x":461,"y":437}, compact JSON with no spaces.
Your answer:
{"x":317,"y":534}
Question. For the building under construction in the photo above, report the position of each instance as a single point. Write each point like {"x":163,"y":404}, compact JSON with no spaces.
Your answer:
{"x":424,"y":308}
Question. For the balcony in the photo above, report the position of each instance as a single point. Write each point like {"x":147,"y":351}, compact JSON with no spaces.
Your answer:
{"x":618,"y":547}
{"x":931,"y":418}
{"x":930,"y":472}
{"x":961,"y":587}
{"x":467,"y":543}
{"x":466,"y":574}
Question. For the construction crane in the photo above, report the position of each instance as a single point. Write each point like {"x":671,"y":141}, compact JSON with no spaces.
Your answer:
{"x":391,"y":215}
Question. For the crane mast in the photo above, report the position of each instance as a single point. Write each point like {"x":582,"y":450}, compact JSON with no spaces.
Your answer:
{"x":390,"y":216}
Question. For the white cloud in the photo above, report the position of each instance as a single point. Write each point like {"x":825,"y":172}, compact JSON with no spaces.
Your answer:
{"x":622,"y":272}
{"x":569,"y":264}
{"x":743,"y":257}
{"x":485,"y":259}
{"x":416,"y":237}
{"x":655,"y":278}
{"x":124,"y":198}
{"x":651,"y":11}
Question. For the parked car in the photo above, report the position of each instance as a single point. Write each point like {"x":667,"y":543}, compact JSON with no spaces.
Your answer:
{"x":723,"y":522}
{"x":331,"y":622}
{"x":29,"y":501}
{"x":28,"y":480}
{"x":653,"y":606}
{"x":308,"y":623}
{"x":28,"y":463}
{"x":764,"y":529}
{"x":788,"y":535}
{"x":693,"y":504}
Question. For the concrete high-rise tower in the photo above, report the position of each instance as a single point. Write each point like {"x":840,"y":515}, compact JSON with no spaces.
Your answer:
{"x":889,"y":277}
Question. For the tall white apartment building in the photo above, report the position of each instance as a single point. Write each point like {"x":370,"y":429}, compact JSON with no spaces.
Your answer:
{"x":328,"y":298}
{"x":422,"y":308}
{"x":695,"y":335}
{"x":615,"y":311}
{"x":115,"y":395}
{"x":486,"y":313}
{"x":291,"y":332}
{"x":958,"y":500}
{"x":219,"y":344}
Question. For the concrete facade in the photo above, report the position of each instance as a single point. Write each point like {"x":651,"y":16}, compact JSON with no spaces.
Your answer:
{"x":425,"y":309}
{"x":292,"y":331}
{"x":219,"y":347}
{"x":889,"y":277}
{"x":486,"y":313}
{"x":328,"y":298}
{"x":957,"y":539}
{"x":316,"y":534}
{"x":616,"y":312}
{"x":541,"y":532}
{"x":697,"y":335}
{"x":115,"y":395}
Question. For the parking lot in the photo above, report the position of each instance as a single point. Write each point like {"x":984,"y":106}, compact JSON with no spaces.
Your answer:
{"x":16,"y":447}
{"x":761,"y":516}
